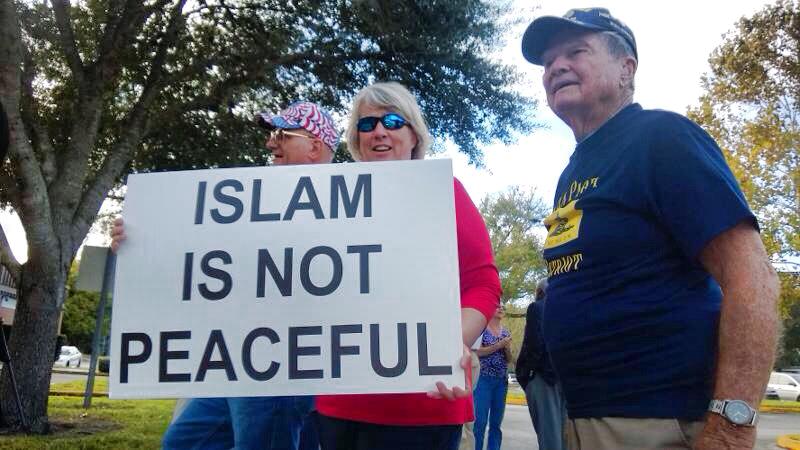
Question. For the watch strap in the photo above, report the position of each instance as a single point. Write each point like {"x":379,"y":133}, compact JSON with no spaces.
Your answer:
{"x":718,"y":407}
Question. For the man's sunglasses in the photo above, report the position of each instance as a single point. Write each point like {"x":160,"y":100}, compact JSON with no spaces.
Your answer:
{"x":390,"y":121}
{"x":279,"y":134}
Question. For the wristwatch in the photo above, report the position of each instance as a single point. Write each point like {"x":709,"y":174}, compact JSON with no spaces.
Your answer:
{"x":737,"y":412}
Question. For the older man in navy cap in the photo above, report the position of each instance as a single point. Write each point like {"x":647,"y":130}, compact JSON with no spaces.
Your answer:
{"x":661,"y":313}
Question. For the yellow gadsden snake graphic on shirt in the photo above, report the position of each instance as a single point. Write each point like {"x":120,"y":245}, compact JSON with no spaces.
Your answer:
{"x":563,"y":225}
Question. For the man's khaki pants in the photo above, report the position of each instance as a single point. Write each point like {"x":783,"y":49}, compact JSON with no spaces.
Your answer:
{"x":616,"y":433}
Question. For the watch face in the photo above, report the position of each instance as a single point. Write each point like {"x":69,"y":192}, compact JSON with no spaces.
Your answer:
{"x":738,"y":412}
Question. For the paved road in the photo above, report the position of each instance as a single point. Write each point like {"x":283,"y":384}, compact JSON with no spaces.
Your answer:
{"x":518,"y":432}
{"x":67,"y":377}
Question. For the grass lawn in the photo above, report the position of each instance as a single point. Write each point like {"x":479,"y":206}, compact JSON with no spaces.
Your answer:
{"x":107,"y":424}
{"x":100,"y":386}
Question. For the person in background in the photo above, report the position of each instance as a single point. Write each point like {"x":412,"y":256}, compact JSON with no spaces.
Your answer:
{"x":661,"y":311}
{"x":537,"y":378}
{"x":490,"y":394}
{"x":303,"y":133}
{"x":386,"y":124}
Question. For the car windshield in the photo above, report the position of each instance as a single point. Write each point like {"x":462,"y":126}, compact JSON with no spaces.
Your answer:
{"x":65,"y":352}
{"x":794,"y":376}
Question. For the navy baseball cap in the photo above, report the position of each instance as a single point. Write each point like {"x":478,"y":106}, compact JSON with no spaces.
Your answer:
{"x":539,"y":33}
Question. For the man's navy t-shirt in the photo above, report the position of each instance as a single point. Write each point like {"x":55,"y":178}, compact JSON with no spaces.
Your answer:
{"x":631,"y":320}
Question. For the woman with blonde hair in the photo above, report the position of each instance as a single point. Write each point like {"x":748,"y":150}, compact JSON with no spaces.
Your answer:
{"x":386,"y":124}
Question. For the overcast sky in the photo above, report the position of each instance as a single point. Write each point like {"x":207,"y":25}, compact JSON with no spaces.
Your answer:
{"x":674,"y":41}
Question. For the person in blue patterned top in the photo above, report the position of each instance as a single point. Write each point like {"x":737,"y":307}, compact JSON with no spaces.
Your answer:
{"x":490,"y":394}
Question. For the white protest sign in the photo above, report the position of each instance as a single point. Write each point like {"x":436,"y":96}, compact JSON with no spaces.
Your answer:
{"x":323,"y":279}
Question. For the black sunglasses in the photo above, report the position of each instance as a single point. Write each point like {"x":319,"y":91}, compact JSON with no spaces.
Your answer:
{"x":391,"y":121}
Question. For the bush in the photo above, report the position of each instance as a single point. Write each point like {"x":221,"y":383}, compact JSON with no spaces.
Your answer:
{"x":103,"y":364}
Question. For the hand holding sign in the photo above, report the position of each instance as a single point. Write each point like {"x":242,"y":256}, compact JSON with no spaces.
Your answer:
{"x":117,"y":234}
{"x":443,"y":392}
{"x":306,"y":280}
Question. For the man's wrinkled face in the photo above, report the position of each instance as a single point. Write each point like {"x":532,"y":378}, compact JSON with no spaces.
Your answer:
{"x":291,"y":147}
{"x":580,"y":74}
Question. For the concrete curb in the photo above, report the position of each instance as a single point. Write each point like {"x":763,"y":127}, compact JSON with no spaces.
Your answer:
{"x":789,"y":441}
{"x":780,"y":409}
{"x":516,"y":401}
{"x":77,"y":372}
{"x":77,"y":394}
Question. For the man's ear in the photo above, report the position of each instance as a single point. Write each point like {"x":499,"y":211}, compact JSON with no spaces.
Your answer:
{"x":629,"y":66}
{"x":316,"y":150}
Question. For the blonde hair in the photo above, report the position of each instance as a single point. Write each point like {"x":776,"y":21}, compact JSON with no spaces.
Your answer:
{"x":396,"y":98}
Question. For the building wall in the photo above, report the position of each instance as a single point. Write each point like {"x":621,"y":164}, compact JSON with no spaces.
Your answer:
{"x":8,"y":296}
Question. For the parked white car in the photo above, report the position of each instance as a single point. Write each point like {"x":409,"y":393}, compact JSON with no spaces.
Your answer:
{"x":512,"y":378}
{"x":786,"y":385}
{"x":771,"y":394}
{"x":70,"y":357}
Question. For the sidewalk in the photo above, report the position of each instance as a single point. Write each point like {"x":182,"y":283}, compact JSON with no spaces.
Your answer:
{"x":77,"y":371}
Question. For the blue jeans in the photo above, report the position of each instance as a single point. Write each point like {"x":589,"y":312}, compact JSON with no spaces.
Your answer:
{"x":490,"y":403}
{"x":309,"y":436}
{"x":271,"y":423}
{"x":548,"y":411}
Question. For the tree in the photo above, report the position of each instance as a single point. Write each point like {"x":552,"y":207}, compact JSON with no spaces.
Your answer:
{"x":97,"y":88}
{"x":789,"y":346}
{"x":510,"y":219}
{"x":80,"y":310}
{"x":750,"y":107}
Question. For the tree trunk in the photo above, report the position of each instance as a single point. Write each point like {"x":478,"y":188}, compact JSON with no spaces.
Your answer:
{"x":32,"y":345}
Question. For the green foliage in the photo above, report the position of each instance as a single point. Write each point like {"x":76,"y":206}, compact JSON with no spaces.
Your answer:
{"x":789,"y":348}
{"x":233,"y":58}
{"x":103,"y":364}
{"x":98,"y":88}
{"x":341,"y":154}
{"x":511,"y":218}
{"x":515,"y":322}
{"x":750,"y":107}
{"x":80,"y":312}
